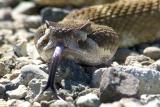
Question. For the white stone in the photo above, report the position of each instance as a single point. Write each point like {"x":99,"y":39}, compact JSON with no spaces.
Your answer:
{"x":18,"y":93}
{"x":89,"y":100}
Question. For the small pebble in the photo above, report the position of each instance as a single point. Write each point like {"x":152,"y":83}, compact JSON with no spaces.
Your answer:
{"x":155,"y":65}
{"x":89,"y":100}
{"x":2,"y":91}
{"x":3,"y":70}
{"x":25,"y":7}
{"x":61,"y":103}
{"x":8,"y":3}
{"x":36,"y":104}
{"x":18,"y":93}
{"x":3,"y":103}
{"x":5,"y":14}
{"x":18,"y":103}
{"x":20,"y":48}
{"x":152,"y":52}
{"x":96,"y":78}
{"x":138,"y":60}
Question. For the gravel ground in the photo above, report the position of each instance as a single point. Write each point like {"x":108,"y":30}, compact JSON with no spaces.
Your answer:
{"x":130,"y":79}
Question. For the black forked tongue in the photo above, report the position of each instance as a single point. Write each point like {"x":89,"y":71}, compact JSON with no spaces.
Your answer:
{"x":52,"y":71}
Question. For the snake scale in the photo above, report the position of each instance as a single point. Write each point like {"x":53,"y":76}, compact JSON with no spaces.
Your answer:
{"x":88,"y":37}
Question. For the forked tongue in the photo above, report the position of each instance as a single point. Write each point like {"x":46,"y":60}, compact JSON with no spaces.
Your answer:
{"x":53,"y":67}
{"x":52,"y":71}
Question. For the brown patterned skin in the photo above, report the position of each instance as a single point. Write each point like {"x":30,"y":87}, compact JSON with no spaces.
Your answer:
{"x":72,"y":2}
{"x":136,"y":21}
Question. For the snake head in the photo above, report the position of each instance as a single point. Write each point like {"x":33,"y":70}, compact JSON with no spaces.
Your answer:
{"x":68,"y":33}
{"x":83,"y":41}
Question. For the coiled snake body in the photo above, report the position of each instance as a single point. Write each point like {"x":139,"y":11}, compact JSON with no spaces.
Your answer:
{"x":89,"y":40}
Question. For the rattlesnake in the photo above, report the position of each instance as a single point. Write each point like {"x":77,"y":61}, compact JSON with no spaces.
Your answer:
{"x":87,"y":38}
{"x":135,"y":21}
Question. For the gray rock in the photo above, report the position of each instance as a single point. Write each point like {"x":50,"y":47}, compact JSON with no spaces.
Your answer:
{"x":25,"y":7}
{"x":3,"y":103}
{"x":46,"y":103}
{"x":153,"y":103}
{"x":36,"y":104}
{"x":6,"y":25}
{"x":18,"y":103}
{"x":14,"y":74}
{"x":2,"y":91}
{"x":5,"y":14}
{"x":3,"y":70}
{"x":152,"y":52}
{"x":8,"y":3}
{"x":33,"y":53}
{"x":95,"y":91}
{"x":24,"y":35}
{"x":152,"y":100}
{"x":18,"y":93}
{"x":9,"y":62}
{"x":89,"y":100}
{"x":73,"y":75}
{"x":131,"y":102}
{"x":34,"y":87}
{"x":115,"y":104}
{"x":26,"y":21}
{"x":69,"y":99}
{"x":5,"y":35}
{"x":2,"y":40}
{"x":32,"y":21}
{"x":73,"y":85}
{"x":28,"y":72}
{"x":20,"y":48}
{"x":61,"y":103}
{"x":6,"y":32}
{"x":138,"y":59}
{"x":116,"y":85}
{"x":22,"y":61}
{"x":53,"y":14}
{"x":63,"y":93}
{"x":4,"y":81}
{"x":6,"y":52}
{"x":96,"y":78}
{"x":125,"y":102}
{"x":149,"y":79}
{"x":146,"y":98}
{"x":155,"y":65}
